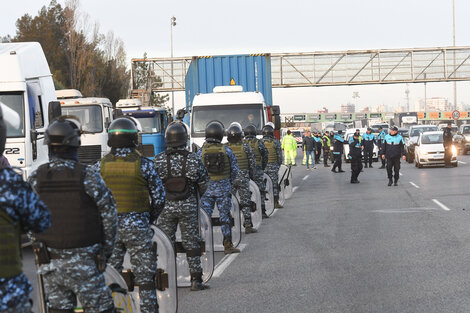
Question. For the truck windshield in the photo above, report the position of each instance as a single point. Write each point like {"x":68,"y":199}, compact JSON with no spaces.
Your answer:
{"x":227,"y":114}
{"x":150,"y":124}
{"x":15,"y":102}
{"x":90,"y":116}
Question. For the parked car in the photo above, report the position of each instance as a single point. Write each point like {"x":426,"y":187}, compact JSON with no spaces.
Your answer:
{"x":462,"y":139}
{"x":413,"y":136}
{"x":430,"y":150}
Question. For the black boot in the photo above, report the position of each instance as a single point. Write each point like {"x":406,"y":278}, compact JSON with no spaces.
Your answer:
{"x":382,"y":167}
{"x":249,"y":227}
{"x":370,"y":165}
{"x":366,"y":165}
{"x":341,"y":171}
{"x":390,"y":182}
{"x":277,"y":205}
{"x":395,"y":183}
{"x":334,"y":170}
{"x":196,"y":282}
{"x":263,"y":212}
{"x":228,"y":246}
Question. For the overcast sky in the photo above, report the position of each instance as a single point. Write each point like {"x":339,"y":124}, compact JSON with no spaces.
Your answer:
{"x":208,"y":27}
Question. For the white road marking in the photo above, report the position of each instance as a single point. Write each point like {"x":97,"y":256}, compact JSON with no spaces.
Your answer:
{"x":226,"y":261}
{"x":441,"y":205}
{"x":414,"y":185}
{"x":295,"y":188}
{"x":401,"y":174}
{"x":305,"y":177}
{"x":462,"y":162}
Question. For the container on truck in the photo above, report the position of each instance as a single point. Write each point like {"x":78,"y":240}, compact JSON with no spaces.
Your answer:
{"x":95,"y":116}
{"x":27,"y":88}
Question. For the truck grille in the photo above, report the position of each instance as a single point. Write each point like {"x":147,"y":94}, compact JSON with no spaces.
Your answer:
{"x":89,"y":154}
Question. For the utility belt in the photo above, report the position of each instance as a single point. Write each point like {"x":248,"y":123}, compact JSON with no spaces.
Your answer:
{"x":44,"y":256}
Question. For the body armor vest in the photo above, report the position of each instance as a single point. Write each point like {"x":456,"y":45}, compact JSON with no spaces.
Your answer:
{"x":242,"y":157}
{"x":10,"y":247}
{"x":177,"y":187}
{"x":254,"y":144}
{"x":124,"y":178}
{"x":76,"y":221}
{"x":216,"y":161}
{"x":272,"y":157}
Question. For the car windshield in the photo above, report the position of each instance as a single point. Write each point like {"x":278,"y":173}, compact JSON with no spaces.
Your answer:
{"x":15,"y":102}
{"x":227,"y":114}
{"x":403,"y":132}
{"x":466,"y":130}
{"x":150,"y":124}
{"x":296,"y":134}
{"x":418,"y":130}
{"x":432,"y":139}
{"x":90,"y":117}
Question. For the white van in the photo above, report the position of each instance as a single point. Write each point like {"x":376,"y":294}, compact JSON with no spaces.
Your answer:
{"x":26,"y":87}
{"x":95,"y":115}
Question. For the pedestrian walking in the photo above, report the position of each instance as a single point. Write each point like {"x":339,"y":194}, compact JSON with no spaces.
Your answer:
{"x":393,"y":150}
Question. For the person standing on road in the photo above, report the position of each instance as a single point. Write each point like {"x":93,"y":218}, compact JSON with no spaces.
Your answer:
{"x":368,"y":141}
{"x":289,"y":145}
{"x":246,"y":171}
{"x":447,"y":135}
{"x":318,"y":147}
{"x":21,"y":211}
{"x":355,"y":155}
{"x":140,"y":198}
{"x":274,"y":160}
{"x":338,"y":151}
{"x":380,"y":142}
{"x":262,"y":156}
{"x":308,"y":146}
{"x":182,"y":173}
{"x":393,"y":150}
{"x":222,"y":166}
{"x":326,"y":143}
{"x":74,"y":251}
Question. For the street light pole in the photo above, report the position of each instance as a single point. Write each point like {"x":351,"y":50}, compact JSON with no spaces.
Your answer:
{"x":453,"y":42}
{"x":172,"y":23}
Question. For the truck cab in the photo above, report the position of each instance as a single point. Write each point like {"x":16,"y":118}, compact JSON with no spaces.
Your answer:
{"x":95,"y":116}
{"x":27,"y":88}
{"x":226,"y":104}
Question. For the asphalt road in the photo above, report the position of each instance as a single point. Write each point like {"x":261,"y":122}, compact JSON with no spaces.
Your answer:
{"x":338,"y":247}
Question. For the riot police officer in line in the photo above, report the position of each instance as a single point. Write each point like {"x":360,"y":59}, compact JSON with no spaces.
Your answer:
{"x":21,"y":211}
{"x":393,"y":149}
{"x":140,"y":197}
{"x":222,"y":166}
{"x":73,"y":252}
{"x":183,"y":174}
{"x":338,"y":147}
{"x":355,"y":155}
{"x":380,"y":141}
{"x":262,"y":156}
{"x":246,"y":170}
{"x":368,"y":141}
{"x":274,"y":159}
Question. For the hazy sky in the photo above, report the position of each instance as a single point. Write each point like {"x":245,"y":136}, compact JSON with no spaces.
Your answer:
{"x":208,"y":27}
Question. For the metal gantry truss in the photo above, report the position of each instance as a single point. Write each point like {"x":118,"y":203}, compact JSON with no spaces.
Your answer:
{"x":340,"y":68}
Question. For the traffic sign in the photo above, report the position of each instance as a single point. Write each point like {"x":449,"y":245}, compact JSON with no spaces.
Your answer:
{"x":456,"y":115}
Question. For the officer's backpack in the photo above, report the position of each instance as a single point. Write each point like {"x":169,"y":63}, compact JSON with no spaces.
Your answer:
{"x":177,"y":188}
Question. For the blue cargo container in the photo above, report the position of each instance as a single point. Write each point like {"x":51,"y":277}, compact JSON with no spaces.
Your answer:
{"x":253,"y":72}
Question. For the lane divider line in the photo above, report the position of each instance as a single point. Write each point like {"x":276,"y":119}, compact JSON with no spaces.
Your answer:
{"x":226,"y":261}
{"x":462,"y":162}
{"x":414,"y":185}
{"x":295,"y":188}
{"x":401,"y":174}
{"x":441,"y":205}
{"x":305,"y":177}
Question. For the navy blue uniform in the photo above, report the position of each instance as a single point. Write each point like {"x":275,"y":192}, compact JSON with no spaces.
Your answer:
{"x":380,"y":141}
{"x":393,"y":149}
{"x":338,"y":147}
{"x":368,"y":141}
{"x":355,"y":154}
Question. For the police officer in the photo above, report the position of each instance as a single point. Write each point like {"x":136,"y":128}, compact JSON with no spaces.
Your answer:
{"x":140,"y":197}
{"x":380,"y":141}
{"x":326,"y":143}
{"x":246,"y":170}
{"x":393,"y":149}
{"x":262,"y":156}
{"x":368,"y":141}
{"x":338,"y":146}
{"x":73,"y":252}
{"x":448,"y":140}
{"x":355,"y":155}
{"x":182,"y":173}
{"x":222,"y":166}
{"x":274,"y":159}
{"x":21,"y":211}
{"x":318,"y":147}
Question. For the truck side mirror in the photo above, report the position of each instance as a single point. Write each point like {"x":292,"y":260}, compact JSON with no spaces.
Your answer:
{"x":54,"y":110}
{"x":276,"y":114}
{"x":117,"y":113}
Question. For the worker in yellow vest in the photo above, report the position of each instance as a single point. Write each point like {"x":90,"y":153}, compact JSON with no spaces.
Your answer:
{"x":289,"y":145}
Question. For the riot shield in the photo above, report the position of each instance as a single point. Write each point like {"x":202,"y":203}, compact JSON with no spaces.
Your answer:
{"x":124,"y":300}
{"x":236,"y":226}
{"x":207,"y":257}
{"x":285,"y":182}
{"x":269,"y":199}
{"x":256,"y":215}
{"x":167,"y":293}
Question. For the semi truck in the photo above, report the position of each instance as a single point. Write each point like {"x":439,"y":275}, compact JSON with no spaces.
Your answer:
{"x":231,"y":88}
{"x":27,"y":88}
{"x":95,"y":115}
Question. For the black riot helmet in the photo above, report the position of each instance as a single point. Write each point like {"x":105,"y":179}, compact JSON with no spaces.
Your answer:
{"x":63,"y":132}
{"x":234,"y":133}
{"x":176,"y":135}
{"x":214,"y":132}
{"x":3,"y":132}
{"x":250,"y":131}
{"x":123,"y":133}
{"x":268,"y":131}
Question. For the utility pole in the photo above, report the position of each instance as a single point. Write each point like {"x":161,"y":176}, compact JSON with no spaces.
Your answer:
{"x":172,"y":24}
{"x":407,"y":92}
{"x":453,"y":42}
{"x":425,"y":95}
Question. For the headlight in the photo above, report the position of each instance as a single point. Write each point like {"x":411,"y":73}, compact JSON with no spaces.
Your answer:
{"x":454,"y":150}
{"x":331,"y":148}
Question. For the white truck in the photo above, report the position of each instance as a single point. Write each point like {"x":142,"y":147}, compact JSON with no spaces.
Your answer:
{"x":27,"y":88}
{"x":95,"y":115}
